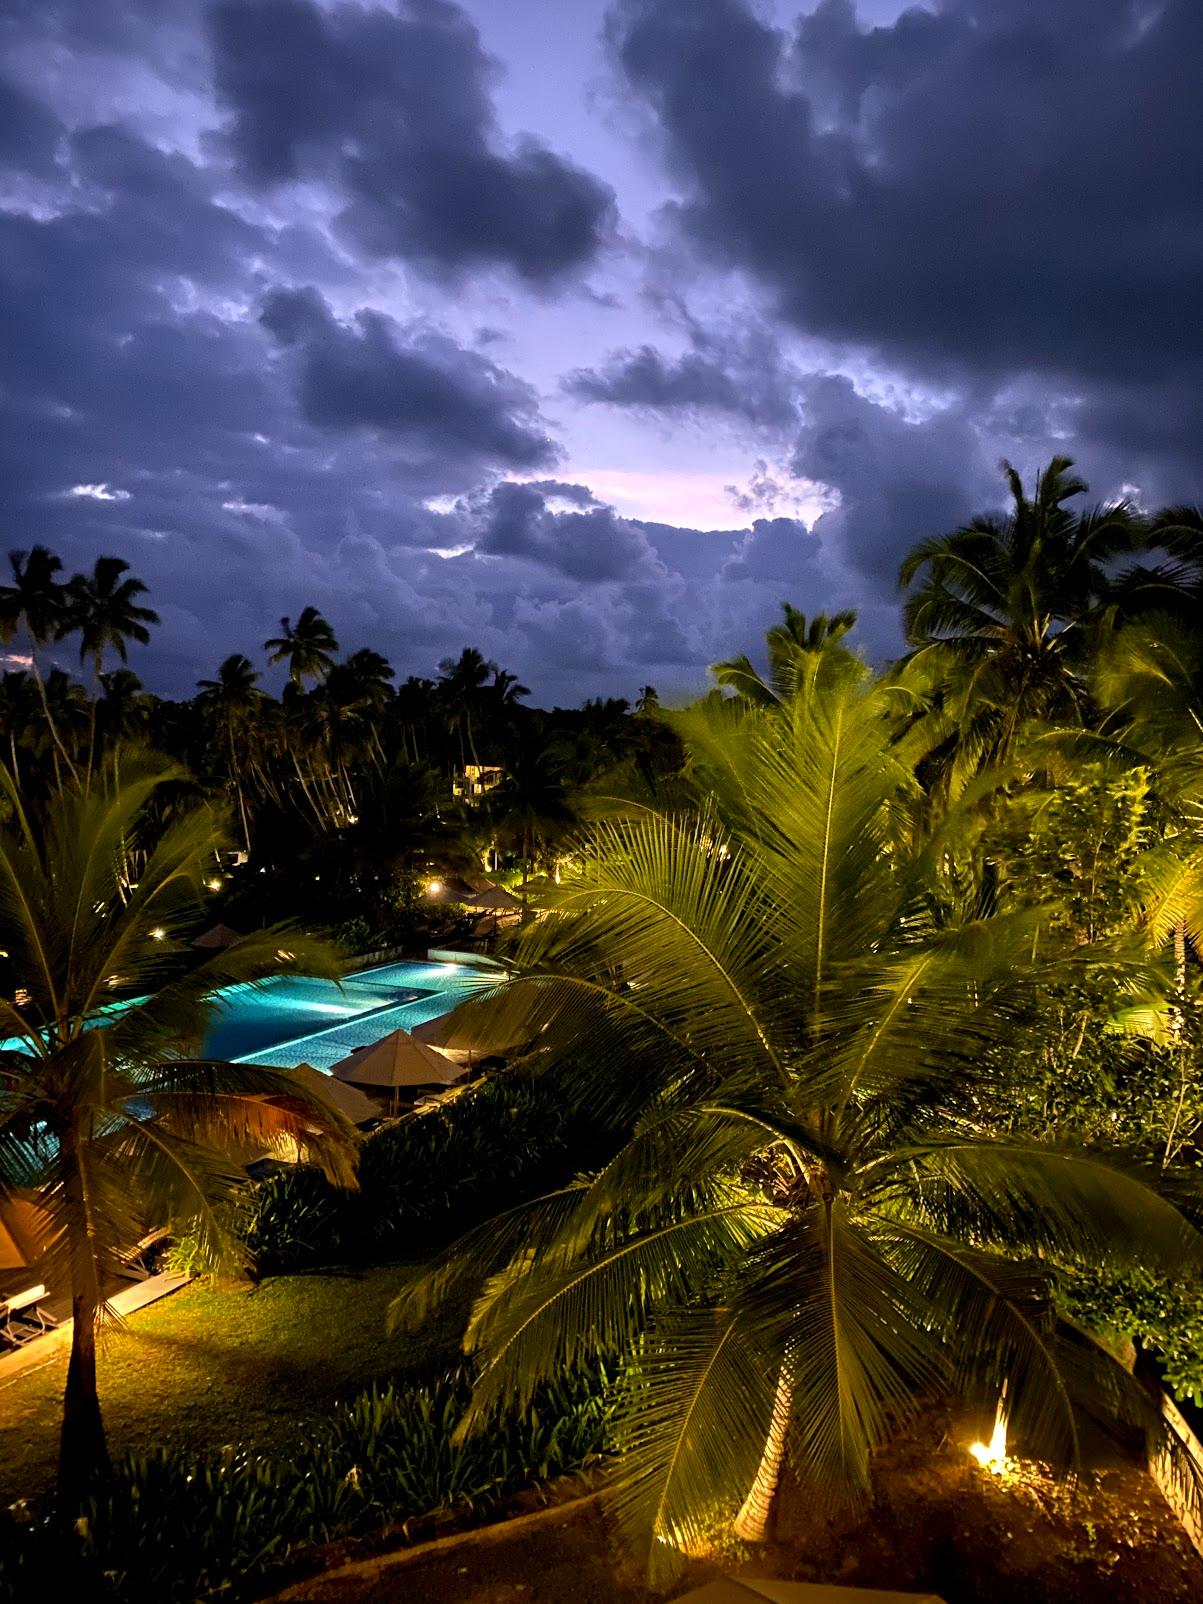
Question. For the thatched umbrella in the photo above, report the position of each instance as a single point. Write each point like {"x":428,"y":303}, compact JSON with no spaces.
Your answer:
{"x":218,"y":938}
{"x":397,"y":1061}
{"x":345,"y":1098}
{"x":24,"y":1232}
{"x":496,"y":899}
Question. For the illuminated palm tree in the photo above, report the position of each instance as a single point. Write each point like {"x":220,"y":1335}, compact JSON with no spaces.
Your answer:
{"x":1001,"y":612}
{"x":798,"y":651}
{"x":811,"y":1231}
{"x":118,"y":1128}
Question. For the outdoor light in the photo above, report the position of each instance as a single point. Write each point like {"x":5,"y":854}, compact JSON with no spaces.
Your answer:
{"x":992,"y":1455}
{"x":213,"y":885}
{"x":434,"y":887}
{"x":158,"y":934}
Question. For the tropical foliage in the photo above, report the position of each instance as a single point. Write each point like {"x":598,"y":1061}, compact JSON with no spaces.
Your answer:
{"x":824,"y":1216}
{"x":862,"y":1012}
{"x":173,"y":1526}
{"x":107,"y":1123}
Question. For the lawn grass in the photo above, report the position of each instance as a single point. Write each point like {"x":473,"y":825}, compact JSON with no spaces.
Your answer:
{"x":209,"y":1366}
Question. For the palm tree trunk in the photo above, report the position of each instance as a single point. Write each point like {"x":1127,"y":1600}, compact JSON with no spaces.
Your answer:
{"x":83,"y":1451}
{"x":1178,"y":1030}
{"x":753,"y":1522}
{"x":57,"y":745}
{"x":97,"y":669}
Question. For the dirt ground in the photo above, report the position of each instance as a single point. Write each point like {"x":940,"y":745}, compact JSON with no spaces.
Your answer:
{"x":939,"y":1524}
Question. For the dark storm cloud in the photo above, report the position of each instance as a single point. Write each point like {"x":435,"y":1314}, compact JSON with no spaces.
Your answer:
{"x":645,"y":378}
{"x":999,"y":184}
{"x":28,"y":131}
{"x":739,"y":373}
{"x":593,"y":545}
{"x":417,"y":388}
{"x":395,"y":109}
{"x":779,"y":551}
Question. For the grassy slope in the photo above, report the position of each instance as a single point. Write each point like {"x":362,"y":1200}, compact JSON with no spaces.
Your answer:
{"x":207,"y":1366}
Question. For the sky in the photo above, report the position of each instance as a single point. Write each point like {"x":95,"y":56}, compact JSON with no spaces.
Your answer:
{"x":583,"y":331}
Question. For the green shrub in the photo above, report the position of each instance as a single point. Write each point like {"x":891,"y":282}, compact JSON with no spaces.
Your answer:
{"x":172,"y":1527}
{"x":422,"y":1180}
{"x":1165,"y":1317}
{"x":293,"y":1220}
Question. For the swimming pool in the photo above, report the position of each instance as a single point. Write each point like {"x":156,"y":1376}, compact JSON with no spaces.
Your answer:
{"x":293,"y":1019}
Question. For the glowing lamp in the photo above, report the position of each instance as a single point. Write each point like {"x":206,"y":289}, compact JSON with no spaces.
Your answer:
{"x":434,"y":887}
{"x":992,"y":1455}
{"x":158,"y":934}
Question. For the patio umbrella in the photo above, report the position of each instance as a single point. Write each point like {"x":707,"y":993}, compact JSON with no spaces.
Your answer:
{"x":457,"y":1033}
{"x":350,"y":1103}
{"x":450,"y":889}
{"x":397,"y":1060}
{"x":218,"y":938}
{"x":745,"y":1590}
{"x":24,"y":1233}
{"x":496,"y":900}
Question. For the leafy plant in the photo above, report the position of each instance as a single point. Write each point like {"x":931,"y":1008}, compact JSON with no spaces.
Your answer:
{"x":815,"y":1226}
{"x":174,"y":1527}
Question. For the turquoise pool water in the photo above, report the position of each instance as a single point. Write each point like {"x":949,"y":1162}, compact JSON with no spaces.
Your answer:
{"x":290,"y":1019}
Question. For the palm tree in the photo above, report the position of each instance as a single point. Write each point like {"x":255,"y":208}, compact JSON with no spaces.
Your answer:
{"x":798,"y":651}
{"x":103,"y":608}
{"x":125,"y":707}
{"x":34,"y":606}
{"x":1001,"y":610}
{"x":231,"y":702}
{"x":308,"y":647}
{"x":530,"y":806}
{"x":811,"y":1230}
{"x":20,"y":713}
{"x":506,"y":691}
{"x":461,"y":683}
{"x":119,"y":1127}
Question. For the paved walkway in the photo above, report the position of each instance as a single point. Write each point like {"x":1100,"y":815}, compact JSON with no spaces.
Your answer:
{"x":44,"y":1348}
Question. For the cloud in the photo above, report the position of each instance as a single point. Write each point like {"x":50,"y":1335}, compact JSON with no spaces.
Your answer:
{"x":897,"y":480}
{"x":396,"y":112}
{"x":737,"y":372}
{"x":414,"y":387}
{"x":593,"y":546}
{"x":990,"y":188}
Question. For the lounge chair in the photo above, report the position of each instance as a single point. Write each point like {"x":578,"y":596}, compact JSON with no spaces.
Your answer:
{"x":22,"y":1318}
{"x":134,"y":1262}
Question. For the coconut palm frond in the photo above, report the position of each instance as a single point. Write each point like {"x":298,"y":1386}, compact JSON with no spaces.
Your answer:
{"x":691,"y":1425}
{"x":534,"y":1319}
